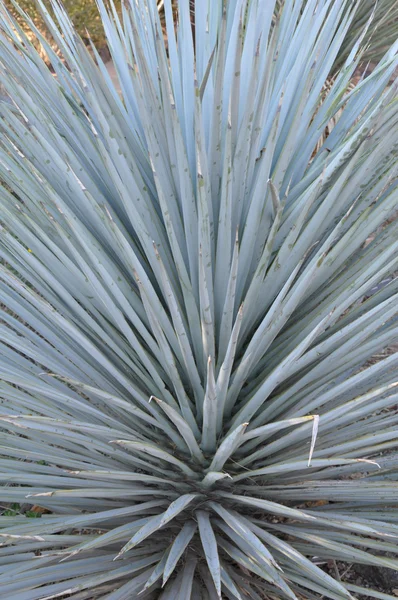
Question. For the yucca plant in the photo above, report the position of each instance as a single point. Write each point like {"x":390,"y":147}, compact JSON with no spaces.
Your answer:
{"x":86,"y":19}
{"x":380,"y":35}
{"x":191,"y":299}
{"x":383,"y":30}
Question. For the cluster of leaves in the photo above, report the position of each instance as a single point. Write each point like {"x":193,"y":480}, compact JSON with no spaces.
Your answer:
{"x":87,"y":21}
{"x":382,"y":31}
{"x":83,"y":13}
{"x":192,"y":294}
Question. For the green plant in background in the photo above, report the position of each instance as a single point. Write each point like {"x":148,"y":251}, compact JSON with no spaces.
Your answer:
{"x":183,"y":244}
{"x":15,"y":509}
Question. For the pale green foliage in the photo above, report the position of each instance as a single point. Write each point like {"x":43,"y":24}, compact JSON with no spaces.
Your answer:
{"x":86,"y":19}
{"x":383,"y":30}
{"x":381,"y":33}
{"x":183,"y":243}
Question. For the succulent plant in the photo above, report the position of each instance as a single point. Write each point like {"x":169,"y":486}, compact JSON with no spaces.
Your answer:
{"x":382,"y":32}
{"x":86,"y":19}
{"x":193,"y":289}
{"x":381,"y":19}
